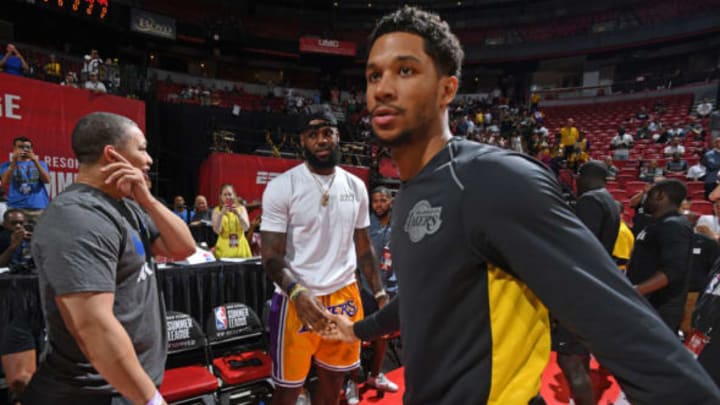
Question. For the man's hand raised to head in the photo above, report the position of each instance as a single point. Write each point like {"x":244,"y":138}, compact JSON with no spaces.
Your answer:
{"x":128,"y":179}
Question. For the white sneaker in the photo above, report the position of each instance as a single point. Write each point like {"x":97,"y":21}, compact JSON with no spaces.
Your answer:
{"x":382,"y":383}
{"x":351,"y":393}
{"x":303,"y":398}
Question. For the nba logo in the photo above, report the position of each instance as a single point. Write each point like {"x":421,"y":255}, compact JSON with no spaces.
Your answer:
{"x":221,"y":321}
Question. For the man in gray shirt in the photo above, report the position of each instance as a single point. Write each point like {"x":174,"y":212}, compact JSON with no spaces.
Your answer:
{"x":94,"y":250}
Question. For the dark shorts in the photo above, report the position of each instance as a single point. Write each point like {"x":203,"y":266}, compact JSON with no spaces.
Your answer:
{"x":18,"y":335}
{"x":369,"y":302}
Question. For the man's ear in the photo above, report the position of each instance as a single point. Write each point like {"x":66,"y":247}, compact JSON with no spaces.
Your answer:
{"x":448,"y":90}
{"x":107,"y":155}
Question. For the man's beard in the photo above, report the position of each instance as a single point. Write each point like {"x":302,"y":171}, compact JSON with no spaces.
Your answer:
{"x":330,"y":162}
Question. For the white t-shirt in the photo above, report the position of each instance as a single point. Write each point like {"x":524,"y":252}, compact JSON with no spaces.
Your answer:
{"x":710,"y":221}
{"x":320,"y":247}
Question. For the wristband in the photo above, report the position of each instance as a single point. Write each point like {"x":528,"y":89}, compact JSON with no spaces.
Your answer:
{"x":290,"y":287}
{"x":157,"y":399}
{"x":380,"y":294}
{"x":297,"y":289}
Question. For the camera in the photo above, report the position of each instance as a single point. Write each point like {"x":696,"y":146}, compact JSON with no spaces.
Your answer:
{"x":29,"y":227}
{"x":26,"y":148}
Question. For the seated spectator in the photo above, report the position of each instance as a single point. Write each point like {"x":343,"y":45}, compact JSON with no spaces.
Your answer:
{"x":704,"y":109}
{"x":642,"y":115}
{"x":577,"y":158}
{"x":541,"y":130}
{"x":12,"y":62}
{"x":70,"y":80}
{"x":15,"y":239}
{"x":621,"y":144}
{"x":95,"y":85}
{"x":612,"y":169}
{"x":583,"y":143}
{"x":677,"y":164}
{"x":711,"y":222}
{"x":53,"y":70}
{"x":201,"y":213}
{"x":180,"y":209}
{"x":676,"y":130}
{"x":649,"y":171}
{"x":674,"y":147}
{"x":654,"y":126}
{"x":697,"y":171}
{"x":659,"y":107}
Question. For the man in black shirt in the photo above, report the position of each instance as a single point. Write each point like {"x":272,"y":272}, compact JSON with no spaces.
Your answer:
{"x":660,"y":262}
{"x":705,"y":251}
{"x":597,"y":209}
{"x":482,"y":242}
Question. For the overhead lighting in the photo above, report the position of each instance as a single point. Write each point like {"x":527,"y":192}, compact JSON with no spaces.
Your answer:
{"x":459,"y":3}
{"x":369,"y":4}
{"x":335,"y":4}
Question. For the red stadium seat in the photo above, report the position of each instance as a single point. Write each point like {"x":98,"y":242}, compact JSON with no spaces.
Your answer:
{"x":702,"y":207}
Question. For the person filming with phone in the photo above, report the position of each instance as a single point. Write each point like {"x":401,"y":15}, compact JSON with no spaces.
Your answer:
{"x":230,"y":221}
{"x":24,"y":178}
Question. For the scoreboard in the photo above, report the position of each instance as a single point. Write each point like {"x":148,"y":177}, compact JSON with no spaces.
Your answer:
{"x":89,"y":8}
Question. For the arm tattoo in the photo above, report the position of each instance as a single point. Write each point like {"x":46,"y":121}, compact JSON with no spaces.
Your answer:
{"x":273,"y":258}
{"x":366,"y":259}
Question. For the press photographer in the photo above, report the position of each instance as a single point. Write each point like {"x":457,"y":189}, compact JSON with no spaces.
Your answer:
{"x":24,"y":178}
{"x":15,"y":241}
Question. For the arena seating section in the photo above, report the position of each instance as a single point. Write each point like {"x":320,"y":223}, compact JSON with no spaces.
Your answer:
{"x":600,"y":122}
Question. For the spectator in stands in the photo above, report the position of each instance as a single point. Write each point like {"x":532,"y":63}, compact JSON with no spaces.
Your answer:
{"x":710,"y":224}
{"x":676,"y":130}
{"x":612,"y":169}
{"x":712,"y":164}
{"x":200,"y":212}
{"x":91,"y":64}
{"x":541,"y":130}
{"x":70,"y":80}
{"x":642,"y":115}
{"x":697,"y":171}
{"x":12,"y":62}
{"x":230,"y":221}
{"x":24,"y":177}
{"x":19,"y":342}
{"x":649,"y":171}
{"x":621,"y":144}
{"x":14,"y":238}
{"x":660,"y":261}
{"x":568,"y":136}
{"x":624,"y":243}
{"x":677,"y":164}
{"x":705,"y":252}
{"x":53,"y":70}
{"x":704,"y":109}
{"x":674,"y":147}
{"x":583,"y":143}
{"x":577,"y":158}
{"x":180,"y":209}
{"x":95,"y":85}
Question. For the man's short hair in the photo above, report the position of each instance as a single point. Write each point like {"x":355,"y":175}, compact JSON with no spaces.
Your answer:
{"x":594,"y":169}
{"x":440,"y":43}
{"x":381,"y":189}
{"x":95,"y":131}
{"x":674,"y":189}
{"x":10,"y":211}
{"x":21,"y":139}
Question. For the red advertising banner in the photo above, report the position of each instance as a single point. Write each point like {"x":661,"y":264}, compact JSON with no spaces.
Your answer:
{"x":47,"y":113}
{"x":330,"y":46}
{"x":249,"y":174}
